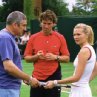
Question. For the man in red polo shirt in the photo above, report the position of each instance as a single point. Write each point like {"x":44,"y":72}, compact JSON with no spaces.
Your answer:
{"x":46,"y":49}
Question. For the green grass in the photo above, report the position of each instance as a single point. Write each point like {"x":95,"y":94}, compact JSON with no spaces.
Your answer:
{"x":67,"y":70}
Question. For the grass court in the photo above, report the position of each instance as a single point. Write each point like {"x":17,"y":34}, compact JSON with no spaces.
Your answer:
{"x":67,"y":70}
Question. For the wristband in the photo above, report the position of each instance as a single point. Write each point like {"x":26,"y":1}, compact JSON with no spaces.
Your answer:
{"x":55,"y":82}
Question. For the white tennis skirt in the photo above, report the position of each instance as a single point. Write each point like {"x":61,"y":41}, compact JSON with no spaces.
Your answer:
{"x":81,"y":91}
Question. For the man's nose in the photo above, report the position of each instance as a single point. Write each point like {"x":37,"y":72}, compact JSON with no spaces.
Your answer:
{"x":46,"y":26}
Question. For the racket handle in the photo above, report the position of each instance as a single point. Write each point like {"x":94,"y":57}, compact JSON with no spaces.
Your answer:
{"x":58,"y":85}
{"x":42,"y":83}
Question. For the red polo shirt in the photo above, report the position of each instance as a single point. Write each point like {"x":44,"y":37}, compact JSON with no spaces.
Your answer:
{"x":54,"y":43}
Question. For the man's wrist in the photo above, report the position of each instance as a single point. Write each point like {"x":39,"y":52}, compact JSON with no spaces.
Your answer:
{"x":37,"y":55}
{"x":58,"y":58}
{"x":30,"y":79}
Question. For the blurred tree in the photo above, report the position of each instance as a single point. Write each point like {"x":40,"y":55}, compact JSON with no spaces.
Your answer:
{"x":37,"y":8}
{"x":58,"y":6}
{"x":9,"y":6}
{"x":32,"y":8}
{"x":85,"y":8}
{"x":94,"y":7}
{"x":29,"y":9}
{"x":14,"y":4}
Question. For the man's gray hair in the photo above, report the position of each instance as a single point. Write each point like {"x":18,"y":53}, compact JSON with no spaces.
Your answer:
{"x":15,"y":17}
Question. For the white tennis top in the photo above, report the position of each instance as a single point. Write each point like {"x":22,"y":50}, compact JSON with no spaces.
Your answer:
{"x":88,"y":69}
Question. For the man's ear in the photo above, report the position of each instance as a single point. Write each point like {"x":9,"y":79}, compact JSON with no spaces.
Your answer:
{"x":15,"y":24}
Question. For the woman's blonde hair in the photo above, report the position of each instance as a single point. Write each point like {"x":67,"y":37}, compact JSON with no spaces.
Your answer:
{"x":88,"y":31}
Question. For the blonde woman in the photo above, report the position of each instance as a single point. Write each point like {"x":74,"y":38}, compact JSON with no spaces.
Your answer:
{"x":84,"y":63}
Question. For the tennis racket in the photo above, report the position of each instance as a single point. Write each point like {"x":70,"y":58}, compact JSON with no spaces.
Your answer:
{"x":64,"y":88}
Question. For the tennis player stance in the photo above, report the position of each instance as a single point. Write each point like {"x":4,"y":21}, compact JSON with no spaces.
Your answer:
{"x":84,"y":63}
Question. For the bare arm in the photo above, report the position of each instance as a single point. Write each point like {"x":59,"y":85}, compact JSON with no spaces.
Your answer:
{"x":13,"y":70}
{"x":82,"y":60}
{"x":63,"y":58}
{"x":48,"y":56}
{"x":33,"y":58}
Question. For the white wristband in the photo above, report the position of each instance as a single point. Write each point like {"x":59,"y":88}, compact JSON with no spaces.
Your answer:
{"x":55,"y":82}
